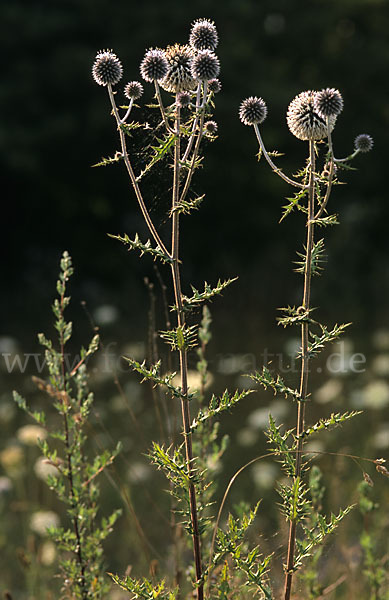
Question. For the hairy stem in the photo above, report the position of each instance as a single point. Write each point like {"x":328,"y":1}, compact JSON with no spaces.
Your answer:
{"x":134,"y":182}
{"x":304,"y":363}
{"x":184,"y":359}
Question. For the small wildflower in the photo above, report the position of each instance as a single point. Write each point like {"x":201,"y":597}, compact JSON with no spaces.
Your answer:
{"x":303,"y":119}
{"x":183,"y":99}
{"x":368,"y":479}
{"x":178,"y":77}
{"x":252,"y":110}
{"x":383,"y":470}
{"x":210,"y":127}
{"x":203,"y":35}
{"x":133,"y":90}
{"x":205,"y":65}
{"x":329,"y":102}
{"x":154,"y":65}
{"x":107,"y":68}
{"x":363,"y":142}
{"x":214,"y":86}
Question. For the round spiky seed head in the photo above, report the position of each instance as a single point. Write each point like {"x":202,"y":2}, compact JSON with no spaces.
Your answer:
{"x":178,"y":77}
{"x":303,"y":119}
{"x":183,"y":99}
{"x":133,"y":90}
{"x":210,"y":127}
{"x":203,"y":35}
{"x":107,"y":68}
{"x":154,"y":65}
{"x":214,"y":85}
{"x":253,"y":110}
{"x":205,"y":65}
{"x":329,"y":102}
{"x":363,"y":142}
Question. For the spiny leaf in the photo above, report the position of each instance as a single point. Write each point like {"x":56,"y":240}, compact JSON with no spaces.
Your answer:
{"x":146,"y":248}
{"x":208,"y":293}
{"x":295,"y":316}
{"x":318,"y":341}
{"x":181,"y":338}
{"x":109,"y":161}
{"x":326,"y":221}
{"x":164,"y":145}
{"x":330,"y":422}
{"x":267,"y":380}
{"x":218,"y":405}
{"x":153,"y":374}
{"x":186,"y":206}
{"x":294,"y":202}
{"x":317,"y":259}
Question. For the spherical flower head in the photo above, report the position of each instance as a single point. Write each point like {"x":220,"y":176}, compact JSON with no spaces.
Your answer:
{"x":303,"y":119}
{"x":178,"y":77}
{"x":133,"y":90}
{"x":183,"y":99}
{"x":107,"y":68}
{"x":154,"y":65}
{"x":214,"y":86}
{"x":329,"y":102}
{"x":363,"y":142}
{"x":210,"y":127}
{"x":252,"y":111}
{"x":203,"y":35}
{"x":205,"y":66}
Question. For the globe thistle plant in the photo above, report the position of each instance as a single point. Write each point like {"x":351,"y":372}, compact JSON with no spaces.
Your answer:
{"x":154,"y":65}
{"x":178,"y":77}
{"x":210,"y":127}
{"x":133,"y":90}
{"x":107,"y":68}
{"x":329,"y":102}
{"x":304,"y":119}
{"x":253,"y":110}
{"x":205,"y":66}
{"x":214,"y":86}
{"x":203,"y":35}
{"x":184,"y":71}
{"x":311,"y":117}
{"x":363,"y":142}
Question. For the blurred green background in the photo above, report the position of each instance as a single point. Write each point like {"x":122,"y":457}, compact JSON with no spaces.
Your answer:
{"x":56,"y":123}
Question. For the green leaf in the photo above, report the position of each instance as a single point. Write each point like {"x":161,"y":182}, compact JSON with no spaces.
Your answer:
{"x":146,"y":248}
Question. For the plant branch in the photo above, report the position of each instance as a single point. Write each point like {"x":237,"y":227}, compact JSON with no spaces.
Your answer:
{"x":135,"y":185}
{"x":330,"y":175}
{"x":276,"y":170}
{"x":162,"y":108}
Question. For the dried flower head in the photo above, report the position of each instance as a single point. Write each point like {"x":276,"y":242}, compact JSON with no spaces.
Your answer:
{"x":205,"y":65}
{"x":210,"y":127}
{"x":107,"y":68}
{"x":214,"y":85}
{"x":154,"y":65}
{"x":178,"y":77}
{"x":203,"y":35}
{"x":253,"y":110}
{"x":304,"y":120}
{"x":133,"y":90}
{"x":329,"y":102}
{"x":363,"y":142}
{"x":183,"y":99}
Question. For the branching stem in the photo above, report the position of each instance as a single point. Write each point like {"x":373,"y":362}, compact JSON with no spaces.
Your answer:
{"x":276,"y":170}
{"x":134,"y":182}
{"x":304,"y":362}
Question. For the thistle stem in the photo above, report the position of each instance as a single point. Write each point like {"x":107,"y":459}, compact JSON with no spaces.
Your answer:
{"x":276,"y":170}
{"x":304,"y":363}
{"x":183,"y":359}
{"x":124,"y":119}
{"x":196,"y":148}
{"x":161,"y":107}
{"x":134,"y":182}
{"x":330,"y":175}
